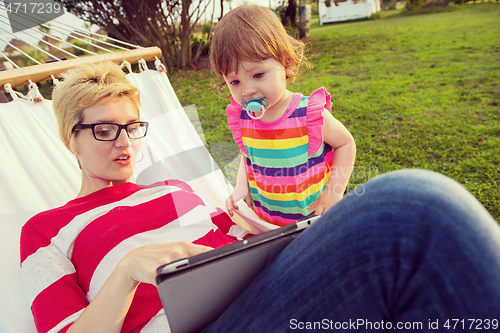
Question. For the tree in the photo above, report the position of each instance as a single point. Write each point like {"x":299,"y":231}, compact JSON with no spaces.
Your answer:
{"x":167,"y":24}
{"x":288,"y":13}
{"x":221,"y":9}
{"x":290,"y":18}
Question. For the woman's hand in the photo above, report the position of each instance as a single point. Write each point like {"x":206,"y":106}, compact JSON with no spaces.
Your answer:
{"x":107,"y":311}
{"x":240,"y":192}
{"x":139,"y":265}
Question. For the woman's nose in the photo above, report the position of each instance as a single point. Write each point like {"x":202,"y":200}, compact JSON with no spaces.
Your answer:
{"x":123,"y":140}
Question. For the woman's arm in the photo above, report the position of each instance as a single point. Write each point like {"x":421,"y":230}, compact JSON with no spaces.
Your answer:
{"x":341,"y":140}
{"x":108,"y":309}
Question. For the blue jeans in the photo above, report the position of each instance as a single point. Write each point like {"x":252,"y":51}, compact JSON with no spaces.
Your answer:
{"x":409,"y":250}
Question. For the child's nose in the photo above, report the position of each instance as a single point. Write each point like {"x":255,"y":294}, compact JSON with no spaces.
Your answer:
{"x":249,"y":89}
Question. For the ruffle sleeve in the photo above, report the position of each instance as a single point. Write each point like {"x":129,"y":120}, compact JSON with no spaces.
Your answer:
{"x":233,"y":111}
{"x":319,"y":100}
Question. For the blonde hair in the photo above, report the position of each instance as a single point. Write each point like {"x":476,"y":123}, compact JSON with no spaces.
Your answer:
{"x":253,"y":33}
{"x":82,"y":87}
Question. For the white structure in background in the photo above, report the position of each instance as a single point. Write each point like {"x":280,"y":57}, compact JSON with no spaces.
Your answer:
{"x":345,"y":11}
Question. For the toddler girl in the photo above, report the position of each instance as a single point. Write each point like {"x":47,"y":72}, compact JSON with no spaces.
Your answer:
{"x":297,"y":158}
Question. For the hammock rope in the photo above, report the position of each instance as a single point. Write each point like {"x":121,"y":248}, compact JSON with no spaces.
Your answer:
{"x":109,"y":48}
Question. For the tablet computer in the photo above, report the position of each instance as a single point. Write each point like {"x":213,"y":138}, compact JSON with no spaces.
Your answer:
{"x":195,"y":291}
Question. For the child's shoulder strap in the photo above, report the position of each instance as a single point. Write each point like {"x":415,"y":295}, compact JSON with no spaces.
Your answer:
{"x":319,"y":100}
{"x":233,"y":111}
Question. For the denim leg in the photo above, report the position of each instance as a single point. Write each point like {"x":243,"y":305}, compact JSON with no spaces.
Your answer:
{"x":411,"y":247}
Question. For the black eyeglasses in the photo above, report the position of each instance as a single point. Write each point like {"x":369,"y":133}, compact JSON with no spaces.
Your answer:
{"x":111,"y":132}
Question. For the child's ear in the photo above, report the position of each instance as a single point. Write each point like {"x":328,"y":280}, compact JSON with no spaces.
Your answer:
{"x":289,"y":64}
{"x":289,"y":67}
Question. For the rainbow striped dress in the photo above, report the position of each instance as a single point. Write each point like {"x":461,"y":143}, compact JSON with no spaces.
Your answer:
{"x":288,"y":163}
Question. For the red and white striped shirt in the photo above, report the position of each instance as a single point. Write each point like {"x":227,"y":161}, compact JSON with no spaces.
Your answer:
{"x":67,"y":253}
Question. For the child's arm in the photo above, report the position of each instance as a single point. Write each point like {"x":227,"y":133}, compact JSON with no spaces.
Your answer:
{"x":241,"y":189}
{"x":341,"y":140}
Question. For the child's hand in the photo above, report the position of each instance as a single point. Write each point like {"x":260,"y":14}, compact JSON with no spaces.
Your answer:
{"x":326,"y":199}
{"x":240,"y":192}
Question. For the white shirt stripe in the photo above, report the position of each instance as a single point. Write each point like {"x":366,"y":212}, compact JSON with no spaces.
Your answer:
{"x":69,"y":320}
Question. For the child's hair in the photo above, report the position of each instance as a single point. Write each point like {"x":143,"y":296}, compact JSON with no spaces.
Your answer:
{"x":82,"y":87}
{"x":253,"y":33}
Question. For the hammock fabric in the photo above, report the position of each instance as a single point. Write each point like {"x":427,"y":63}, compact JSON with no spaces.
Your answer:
{"x":38,"y":173}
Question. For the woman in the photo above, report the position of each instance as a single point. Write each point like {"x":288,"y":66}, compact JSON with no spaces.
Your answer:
{"x":408,"y":247}
{"x":82,"y":252}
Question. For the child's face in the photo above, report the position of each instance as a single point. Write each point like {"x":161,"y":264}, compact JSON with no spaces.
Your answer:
{"x":258,"y":79}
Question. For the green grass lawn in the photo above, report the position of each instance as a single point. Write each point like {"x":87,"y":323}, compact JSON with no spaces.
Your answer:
{"x":416,"y":91}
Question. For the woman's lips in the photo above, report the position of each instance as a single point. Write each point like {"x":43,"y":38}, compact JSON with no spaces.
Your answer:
{"x":123,"y":159}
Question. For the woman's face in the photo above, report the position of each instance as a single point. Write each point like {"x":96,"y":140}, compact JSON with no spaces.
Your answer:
{"x":106,"y":163}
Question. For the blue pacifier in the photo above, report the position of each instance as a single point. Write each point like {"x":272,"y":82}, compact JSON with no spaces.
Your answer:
{"x":255,"y":105}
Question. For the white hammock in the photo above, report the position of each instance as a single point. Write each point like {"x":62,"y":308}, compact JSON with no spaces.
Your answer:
{"x":38,"y":173}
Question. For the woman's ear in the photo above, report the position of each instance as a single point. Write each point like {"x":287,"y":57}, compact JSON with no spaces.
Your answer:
{"x":70,"y":145}
{"x":73,"y":151}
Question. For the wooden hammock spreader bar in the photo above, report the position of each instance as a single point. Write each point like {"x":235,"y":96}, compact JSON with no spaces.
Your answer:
{"x":37,"y":73}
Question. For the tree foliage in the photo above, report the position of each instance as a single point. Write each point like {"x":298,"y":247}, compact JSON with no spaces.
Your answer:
{"x":413,"y":4}
{"x":167,"y":24}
